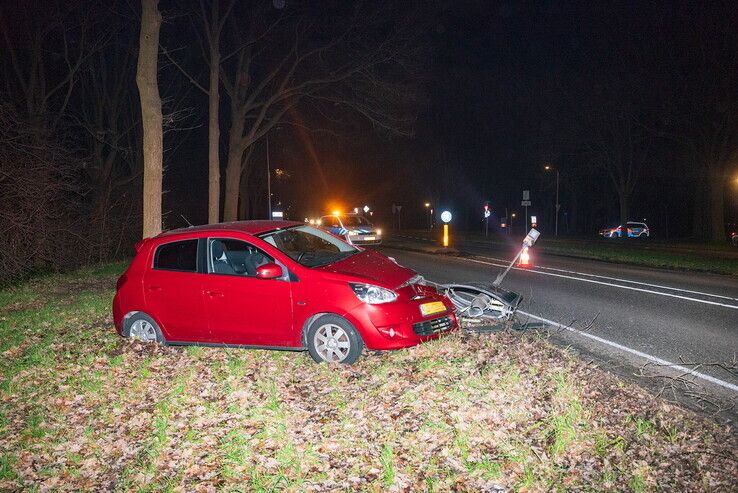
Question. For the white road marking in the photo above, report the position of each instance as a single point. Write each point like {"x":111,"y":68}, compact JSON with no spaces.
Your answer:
{"x":618,"y":279}
{"x":654,"y":359}
{"x":639,"y":283}
{"x":602,"y":340}
{"x":620,"y":286}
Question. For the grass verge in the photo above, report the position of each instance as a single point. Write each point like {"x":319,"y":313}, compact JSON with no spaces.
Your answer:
{"x":82,"y":409}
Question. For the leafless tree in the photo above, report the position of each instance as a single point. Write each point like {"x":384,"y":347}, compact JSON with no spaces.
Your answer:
{"x":46,"y":47}
{"x":619,"y":145}
{"x":151,"y":116}
{"x":704,"y":103}
{"x":210,"y":22}
{"x":288,"y":58}
{"x":106,"y":121}
{"x":38,"y":188}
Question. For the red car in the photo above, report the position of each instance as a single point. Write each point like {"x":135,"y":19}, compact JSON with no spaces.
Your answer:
{"x":278,"y":285}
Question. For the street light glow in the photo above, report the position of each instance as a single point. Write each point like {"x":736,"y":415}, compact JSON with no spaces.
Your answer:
{"x":427,"y":204}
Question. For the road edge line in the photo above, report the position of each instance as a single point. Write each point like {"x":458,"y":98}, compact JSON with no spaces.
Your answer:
{"x":654,"y":359}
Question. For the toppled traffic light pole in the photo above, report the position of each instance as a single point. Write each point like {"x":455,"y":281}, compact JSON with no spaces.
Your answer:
{"x":480,"y":302}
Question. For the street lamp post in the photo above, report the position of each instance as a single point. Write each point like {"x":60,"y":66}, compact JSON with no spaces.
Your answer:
{"x":269,"y":180}
{"x":430,"y":212}
{"x":512,"y":217}
{"x":558,"y":206}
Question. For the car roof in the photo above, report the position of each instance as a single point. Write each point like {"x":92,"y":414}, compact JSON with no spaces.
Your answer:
{"x":249,"y":227}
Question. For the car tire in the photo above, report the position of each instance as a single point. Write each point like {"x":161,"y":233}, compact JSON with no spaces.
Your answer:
{"x":333,"y":339}
{"x":144,"y":328}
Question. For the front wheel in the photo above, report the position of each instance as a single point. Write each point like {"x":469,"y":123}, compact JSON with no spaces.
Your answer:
{"x":333,"y":339}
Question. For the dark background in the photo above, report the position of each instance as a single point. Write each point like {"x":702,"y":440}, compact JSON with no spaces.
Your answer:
{"x":504,"y":86}
{"x":499,"y":90}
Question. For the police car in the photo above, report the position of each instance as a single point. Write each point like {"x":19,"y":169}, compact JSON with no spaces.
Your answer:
{"x":355,"y":228}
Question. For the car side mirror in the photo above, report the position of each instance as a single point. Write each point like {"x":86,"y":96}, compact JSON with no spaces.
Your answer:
{"x":269,"y":271}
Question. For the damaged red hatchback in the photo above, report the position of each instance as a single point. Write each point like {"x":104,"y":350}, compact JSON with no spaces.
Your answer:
{"x":276,"y":285}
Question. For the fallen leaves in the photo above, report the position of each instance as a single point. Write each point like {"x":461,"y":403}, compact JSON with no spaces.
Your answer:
{"x":467,"y":413}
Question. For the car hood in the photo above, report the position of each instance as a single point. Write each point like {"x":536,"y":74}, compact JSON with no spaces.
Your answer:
{"x":372,"y":267}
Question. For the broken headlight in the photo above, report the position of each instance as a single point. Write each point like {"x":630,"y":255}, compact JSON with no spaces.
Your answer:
{"x":374,"y":295}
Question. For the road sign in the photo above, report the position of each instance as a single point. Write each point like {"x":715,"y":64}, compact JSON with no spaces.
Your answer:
{"x":526,"y":194}
{"x":525,"y":203}
{"x":446,"y":216}
{"x":487,"y":213}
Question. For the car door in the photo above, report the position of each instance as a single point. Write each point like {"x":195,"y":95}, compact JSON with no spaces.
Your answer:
{"x":241,"y":308}
{"x":173,"y":291}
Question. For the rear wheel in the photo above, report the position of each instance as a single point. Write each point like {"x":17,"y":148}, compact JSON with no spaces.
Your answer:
{"x":333,"y":339}
{"x":142,"y":327}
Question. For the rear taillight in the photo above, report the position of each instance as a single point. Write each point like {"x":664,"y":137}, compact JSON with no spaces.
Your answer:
{"x":121,"y":281}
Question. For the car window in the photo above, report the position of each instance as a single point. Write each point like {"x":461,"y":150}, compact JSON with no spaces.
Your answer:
{"x":234,"y":257}
{"x":178,"y":255}
{"x":309,"y":246}
{"x":350,"y":221}
{"x":331,"y":222}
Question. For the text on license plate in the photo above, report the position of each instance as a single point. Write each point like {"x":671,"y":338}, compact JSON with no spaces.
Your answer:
{"x":431,"y":308}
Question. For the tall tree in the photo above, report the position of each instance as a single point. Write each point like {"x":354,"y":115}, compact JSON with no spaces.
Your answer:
{"x":44,"y":52}
{"x":707,"y":98}
{"x":620,"y":146}
{"x":349,"y":58}
{"x":213,"y":28}
{"x":151,"y":118}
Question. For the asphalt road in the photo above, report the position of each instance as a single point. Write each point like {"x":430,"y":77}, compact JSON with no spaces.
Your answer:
{"x":623,"y":316}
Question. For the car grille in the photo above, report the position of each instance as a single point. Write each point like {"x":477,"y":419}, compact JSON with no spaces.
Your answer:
{"x":430,"y":327}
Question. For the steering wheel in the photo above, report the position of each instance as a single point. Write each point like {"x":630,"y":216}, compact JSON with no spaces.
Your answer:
{"x":303,"y":254}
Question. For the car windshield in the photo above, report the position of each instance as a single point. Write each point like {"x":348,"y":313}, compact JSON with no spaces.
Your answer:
{"x":309,"y":246}
{"x":352,"y":221}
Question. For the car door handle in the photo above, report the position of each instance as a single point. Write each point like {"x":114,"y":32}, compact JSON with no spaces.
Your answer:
{"x":153,"y":288}
{"x":213,"y":293}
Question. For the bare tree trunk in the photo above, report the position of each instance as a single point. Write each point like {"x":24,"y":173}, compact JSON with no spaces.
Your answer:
{"x":717,"y":205}
{"x":233,"y":182}
{"x":214,"y":125}
{"x":233,"y":168}
{"x":146,"y":80}
{"x":699,"y":219}
{"x":624,"y":207}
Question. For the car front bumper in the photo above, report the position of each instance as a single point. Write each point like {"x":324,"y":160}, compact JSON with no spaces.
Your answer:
{"x":401,"y":324}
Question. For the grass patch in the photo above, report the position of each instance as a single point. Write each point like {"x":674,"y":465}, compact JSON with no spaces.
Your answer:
{"x":81,"y":408}
{"x":387,"y":459}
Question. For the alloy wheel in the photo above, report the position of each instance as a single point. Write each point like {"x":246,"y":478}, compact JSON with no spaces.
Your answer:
{"x":332,"y":343}
{"x":143,"y":330}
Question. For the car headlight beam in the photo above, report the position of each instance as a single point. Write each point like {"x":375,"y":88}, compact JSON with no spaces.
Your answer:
{"x":371,"y":294}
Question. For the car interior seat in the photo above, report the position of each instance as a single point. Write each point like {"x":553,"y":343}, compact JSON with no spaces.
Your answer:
{"x":221,"y":263}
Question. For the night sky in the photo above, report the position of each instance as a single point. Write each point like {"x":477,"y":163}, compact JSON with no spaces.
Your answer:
{"x":502,"y":89}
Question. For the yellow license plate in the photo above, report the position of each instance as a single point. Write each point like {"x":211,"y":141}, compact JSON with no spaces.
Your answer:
{"x":431,"y":308}
{"x":369,"y":238}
